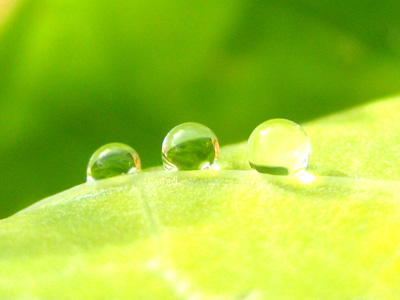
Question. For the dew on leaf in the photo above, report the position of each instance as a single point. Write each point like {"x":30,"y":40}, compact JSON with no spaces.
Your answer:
{"x":189,"y":146}
{"x":112,"y":160}
{"x":278,"y":147}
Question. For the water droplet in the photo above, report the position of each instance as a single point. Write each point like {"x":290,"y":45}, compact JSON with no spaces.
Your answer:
{"x":278,"y":147}
{"x":112,"y":160}
{"x":189,"y":146}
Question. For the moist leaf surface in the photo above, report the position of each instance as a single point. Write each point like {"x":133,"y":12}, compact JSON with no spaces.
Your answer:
{"x":228,"y":234}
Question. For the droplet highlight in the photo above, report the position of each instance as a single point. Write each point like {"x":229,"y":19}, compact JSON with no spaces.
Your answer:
{"x":112,"y":160}
{"x":189,"y":146}
{"x":278,"y":147}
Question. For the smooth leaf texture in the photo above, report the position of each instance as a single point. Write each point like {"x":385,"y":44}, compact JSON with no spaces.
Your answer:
{"x":6,"y":7}
{"x":229,"y":234}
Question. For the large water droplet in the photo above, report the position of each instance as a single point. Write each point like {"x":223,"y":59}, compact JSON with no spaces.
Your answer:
{"x":279,"y":147}
{"x":112,"y":160}
{"x":189,"y":146}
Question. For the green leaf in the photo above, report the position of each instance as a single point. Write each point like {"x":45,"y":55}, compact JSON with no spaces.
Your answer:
{"x":77,"y":74}
{"x":229,"y":234}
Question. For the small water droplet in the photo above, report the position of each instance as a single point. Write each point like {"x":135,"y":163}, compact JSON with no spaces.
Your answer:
{"x":189,"y":146}
{"x":278,"y":147}
{"x":112,"y":160}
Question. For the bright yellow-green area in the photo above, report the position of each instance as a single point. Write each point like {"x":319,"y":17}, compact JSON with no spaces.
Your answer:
{"x":6,"y":7}
{"x":361,"y":143}
{"x":228,"y":234}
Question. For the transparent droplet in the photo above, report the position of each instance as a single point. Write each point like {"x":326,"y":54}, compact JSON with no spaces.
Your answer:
{"x":279,"y":147}
{"x":112,"y":160}
{"x":189,"y":146}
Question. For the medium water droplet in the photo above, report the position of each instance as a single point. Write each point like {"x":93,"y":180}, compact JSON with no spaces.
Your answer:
{"x":278,"y":147}
{"x":189,"y":146}
{"x":112,"y":160}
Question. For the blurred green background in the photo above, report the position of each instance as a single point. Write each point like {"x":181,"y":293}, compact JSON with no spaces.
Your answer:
{"x":81,"y":73}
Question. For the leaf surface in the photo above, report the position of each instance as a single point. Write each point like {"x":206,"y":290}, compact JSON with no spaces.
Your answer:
{"x":228,"y":234}
{"x":78,"y":74}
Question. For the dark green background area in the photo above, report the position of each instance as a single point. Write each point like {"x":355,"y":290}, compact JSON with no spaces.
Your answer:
{"x":81,"y":73}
